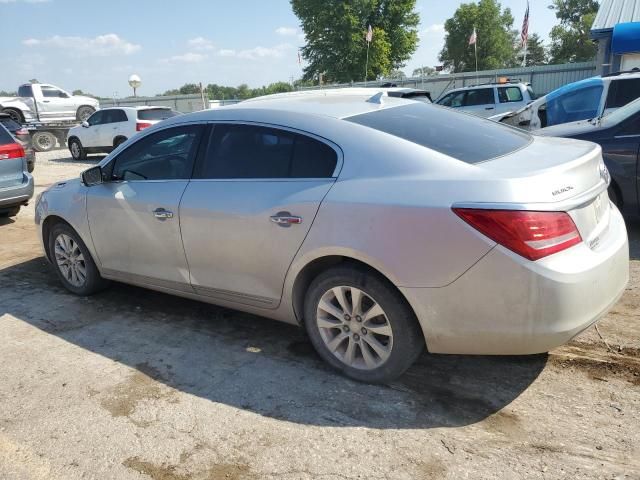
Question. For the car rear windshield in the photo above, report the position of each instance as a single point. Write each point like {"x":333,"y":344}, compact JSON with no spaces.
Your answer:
{"x":465,"y":137}
{"x":5,"y":136}
{"x":156,"y":114}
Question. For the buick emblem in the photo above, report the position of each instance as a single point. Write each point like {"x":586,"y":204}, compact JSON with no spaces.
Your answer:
{"x":604,"y":173}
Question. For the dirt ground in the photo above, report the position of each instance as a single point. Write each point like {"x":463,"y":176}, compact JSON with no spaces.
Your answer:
{"x":132,"y":384}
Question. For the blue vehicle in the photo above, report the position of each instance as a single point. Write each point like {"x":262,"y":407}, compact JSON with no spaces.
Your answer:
{"x":582,"y":100}
{"x":618,"y":133}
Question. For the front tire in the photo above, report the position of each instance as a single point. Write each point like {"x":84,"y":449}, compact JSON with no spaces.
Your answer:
{"x":72,"y":261}
{"x":77,"y":150}
{"x":359,"y":324}
{"x":84,"y":113}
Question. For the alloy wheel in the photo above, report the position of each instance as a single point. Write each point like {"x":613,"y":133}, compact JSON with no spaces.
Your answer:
{"x":70,"y":260}
{"x":75,"y":150}
{"x":354,"y":327}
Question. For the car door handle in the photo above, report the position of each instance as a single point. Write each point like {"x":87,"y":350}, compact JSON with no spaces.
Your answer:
{"x":161,"y":213}
{"x":46,"y":101}
{"x":285,"y":219}
{"x":489,"y":108}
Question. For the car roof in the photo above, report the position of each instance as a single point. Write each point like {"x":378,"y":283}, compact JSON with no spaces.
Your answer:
{"x":138,"y":107}
{"x":336,"y":92}
{"x":488,"y":85}
{"x":330,"y":103}
{"x":579,"y":85}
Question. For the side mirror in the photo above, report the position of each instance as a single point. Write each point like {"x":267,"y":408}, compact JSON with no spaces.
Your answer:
{"x":92,"y":177}
{"x":85,"y":124}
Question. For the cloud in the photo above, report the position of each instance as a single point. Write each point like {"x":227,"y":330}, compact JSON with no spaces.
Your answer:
{"x":256,"y":53}
{"x":201,"y":43}
{"x":287,"y":31}
{"x":25,"y":1}
{"x":102,"y":45}
{"x":435,"y":29}
{"x":189,"y":57}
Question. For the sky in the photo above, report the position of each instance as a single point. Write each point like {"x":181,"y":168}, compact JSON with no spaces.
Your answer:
{"x":95,"y":45}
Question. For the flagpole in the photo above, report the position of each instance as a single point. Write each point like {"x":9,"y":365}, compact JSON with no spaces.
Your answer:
{"x":525,"y":55}
{"x":475,"y":48}
{"x":366,"y":65}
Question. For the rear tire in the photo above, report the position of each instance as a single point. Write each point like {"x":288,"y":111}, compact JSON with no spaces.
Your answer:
{"x":77,"y":150}
{"x":118,"y":141}
{"x":366,"y":329}
{"x":84,"y":112}
{"x":72,"y":261}
{"x":16,"y":115}
{"x":44,"y":141}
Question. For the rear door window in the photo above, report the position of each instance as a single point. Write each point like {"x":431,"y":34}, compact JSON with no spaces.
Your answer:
{"x":5,"y":136}
{"x":248,"y":151}
{"x":114,"y":116}
{"x":480,"y":96}
{"x":467,"y":138}
{"x":156,"y":114}
{"x":509,"y":94}
{"x":10,"y":124}
{"x":25,"y":91}
{"x":622,"y":92}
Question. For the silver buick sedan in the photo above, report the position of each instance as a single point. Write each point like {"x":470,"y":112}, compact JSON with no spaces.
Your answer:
{"x":380,"y":225}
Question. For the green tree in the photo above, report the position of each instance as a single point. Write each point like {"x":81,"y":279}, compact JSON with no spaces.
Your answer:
{"x":397,"y":74}
{"x":4,"y":93}
{"x":495,"y":37}
{"x":423,"y":71}
{"x":536,"y":52}
{"x":335,"y":32}
{"x":570,"y":40}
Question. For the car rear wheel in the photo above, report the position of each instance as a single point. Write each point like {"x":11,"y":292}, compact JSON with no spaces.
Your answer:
{"x":43,"y":141}
{"x":77,"y":150}
{"x":84,"y":113}
{"x":72,"y":261}
{"x":360,"y":325}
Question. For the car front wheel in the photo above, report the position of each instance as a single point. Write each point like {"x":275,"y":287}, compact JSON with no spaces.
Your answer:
{"x":360,"y":325}
{"x":72,"y":261}
{"x":76,"y":149}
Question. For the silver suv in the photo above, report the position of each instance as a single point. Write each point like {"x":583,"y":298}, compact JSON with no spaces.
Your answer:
{"x":490,"y":99}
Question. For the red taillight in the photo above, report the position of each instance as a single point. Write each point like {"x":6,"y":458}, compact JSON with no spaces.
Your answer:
{"x":11,"y":150}
{"x":142,"y":126}
{"x":531,"y":234}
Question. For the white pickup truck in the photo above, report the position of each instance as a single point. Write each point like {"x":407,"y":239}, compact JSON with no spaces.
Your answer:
{"x":47,"y":112}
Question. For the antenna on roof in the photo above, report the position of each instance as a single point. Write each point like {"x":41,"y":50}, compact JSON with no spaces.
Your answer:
{"x":377,"y":98}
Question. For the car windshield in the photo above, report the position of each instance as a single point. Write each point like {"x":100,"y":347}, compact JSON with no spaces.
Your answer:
{"x":619,"y":114}
{"x":156,"y":114}
{"x":465,"y":137}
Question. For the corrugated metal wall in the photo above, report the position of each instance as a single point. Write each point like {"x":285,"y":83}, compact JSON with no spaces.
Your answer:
{"x":543,"y":79}
{"x":181,"y":103}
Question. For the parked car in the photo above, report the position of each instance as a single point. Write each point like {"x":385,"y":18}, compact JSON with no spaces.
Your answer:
{"x":487,"y":100}
{"x":399,"y":92}
{"x":42,"y":102}
{"x":16,"y":183}
{"x":589,"y":98}
{"x":379,"y":225}
{"x":109,"y":127}
{"x":618,"y":133}
{"x":22,"y":135}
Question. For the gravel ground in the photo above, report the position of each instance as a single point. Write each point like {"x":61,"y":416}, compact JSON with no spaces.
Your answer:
{"x":132,"y":384}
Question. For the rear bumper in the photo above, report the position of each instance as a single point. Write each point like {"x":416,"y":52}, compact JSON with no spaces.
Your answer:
{"x":506,"y":305}
{"x":17,"y":194}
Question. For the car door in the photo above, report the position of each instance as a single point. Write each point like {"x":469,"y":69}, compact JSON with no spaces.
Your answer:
{"x":134,"y":215}
{"x":55,"y":103}
{"x":480,"y":101}
{"x":90,"y":134}
{"x":509,"y":99}
{"x":112,"y":125}
{"x":620,"y":149}
{"x":246,"y":212}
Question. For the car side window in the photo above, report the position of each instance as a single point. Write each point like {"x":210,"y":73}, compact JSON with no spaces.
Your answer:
{"x":165,"y":155}
{"x":114,"y":116}
{"x":454,"y":99}
{"x":248,"y":151}
{"x":25,"y":91}
{"x":509,"y":94}
{"x":480,"y":96}
{"x":51,"y":92}
{"x":622,"y":92}
{"x":97,"y":118}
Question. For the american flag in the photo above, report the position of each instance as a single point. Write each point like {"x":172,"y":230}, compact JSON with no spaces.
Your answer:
{"x":473,"y":37}
{"x":369,"y":34}
{"x":524,"y":35}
